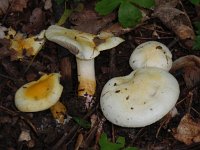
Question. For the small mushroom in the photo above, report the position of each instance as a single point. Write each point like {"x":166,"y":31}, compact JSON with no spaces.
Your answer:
{"x":85,"y":47}
{"x":26,"y":46}
{"x":140,"y":98}
{"x":151,"y":54}
{"x":39,"y":95}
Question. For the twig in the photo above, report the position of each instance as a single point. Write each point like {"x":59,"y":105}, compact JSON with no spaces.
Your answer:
{"x":136,"y":136}
{"x":7,"y":77}
{"x":73,"y":137}
{"x":29,"y":65}
{"x":5,"y":16}
{"x":161,"y":125}
{"x":152,"y":38}
{"x":163,"y":32}
{"x":172,"y":43}
{"x":10,"y":112}
{"x":195,"y":111}
{"x":113,"y":133}
{"x":112,"y":63}
{"x":190,"y":95}
{"x":66,"y":135}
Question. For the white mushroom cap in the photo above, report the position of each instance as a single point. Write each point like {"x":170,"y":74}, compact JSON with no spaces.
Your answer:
{"x":39,"y":95}
{"x":82,"y":45}
{"x":140,"y":98}
{"x":151,"y":54}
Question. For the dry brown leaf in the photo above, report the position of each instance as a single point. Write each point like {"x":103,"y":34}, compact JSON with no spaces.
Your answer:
{"x":187,"y":131}
{"x":4,"y":48}
{"x":79,"y":141}
{"x":190,"y":66}
{"x":89,"y":21}
{"x":24,"y":135}
{"x":77,"y":18}
{"x":171,"y":3}
{"x":36,"y":22}
{"x":178,"y":22}
{"x":18,"y":5}
{"x":116,"y":29}
{"x":3,"y":6}
{"x":47,"y":4}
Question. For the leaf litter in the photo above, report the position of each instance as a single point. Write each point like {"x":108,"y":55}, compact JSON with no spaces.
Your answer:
{"x":30,"y":17}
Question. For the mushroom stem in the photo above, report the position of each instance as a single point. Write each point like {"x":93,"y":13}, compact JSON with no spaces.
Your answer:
{"x":86,"y":77}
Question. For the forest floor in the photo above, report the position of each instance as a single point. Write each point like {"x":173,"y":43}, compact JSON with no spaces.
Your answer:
{"x":39,"y":130}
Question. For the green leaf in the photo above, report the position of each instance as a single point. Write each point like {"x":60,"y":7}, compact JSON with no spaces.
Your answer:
{"x":196,"y":45}
{"x":121,"y":140}
{"x":131,"y":148}
{"x":83,"y":123}
{"x":105,"y":144}
{"x":144,"y":3}
{"x":197,"y":27}
{"x":129,"y":15}
{"x":59,"y":2}
{"x":195,"y":2}
{"x":105,"y":7}
{"x":64,"y":16}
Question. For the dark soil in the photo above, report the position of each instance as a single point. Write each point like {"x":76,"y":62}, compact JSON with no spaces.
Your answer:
{"x":45,"y":132}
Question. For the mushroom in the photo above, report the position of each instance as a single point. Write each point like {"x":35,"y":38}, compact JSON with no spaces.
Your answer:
{"x":151,"y":54}
{"x":26,"y":46}
{"x":85,"y":47}
{"x":39,"y":95}
{"x":140,"y":98}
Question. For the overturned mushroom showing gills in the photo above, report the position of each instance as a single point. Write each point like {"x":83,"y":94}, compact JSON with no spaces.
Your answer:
{"x":140,"y":98}
{"x":151,"y":54}
{"x":39,"y":95}
{"x":85,"y":47}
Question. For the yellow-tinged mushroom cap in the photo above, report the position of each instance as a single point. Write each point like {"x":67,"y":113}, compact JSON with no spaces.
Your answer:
{"x":83,"y":45}
{"x":151,"y":54}
{"x":39,"y":95}
{"x":30,"y":46}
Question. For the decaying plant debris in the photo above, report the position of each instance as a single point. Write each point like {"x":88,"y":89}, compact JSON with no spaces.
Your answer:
{"x":82,"y":129}
{"x":188,"y":131}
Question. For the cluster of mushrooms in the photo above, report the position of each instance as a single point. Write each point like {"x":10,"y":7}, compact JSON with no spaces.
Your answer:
{"x":145,"y":95}
{"x":136,"y":100}
{"x":45,"y":93}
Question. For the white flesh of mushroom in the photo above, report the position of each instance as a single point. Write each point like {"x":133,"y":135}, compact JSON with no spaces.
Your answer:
{"x":151,"y":54}
{"x":79,"y":43}
{"x":86,"y":76}
{"x":139,"y":99}
{"x":39,"y":95}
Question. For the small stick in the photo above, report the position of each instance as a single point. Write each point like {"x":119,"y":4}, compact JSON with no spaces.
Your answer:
{"x":5,"y":16}
{"x":113,"y":133}
{"x":72,"y":131}
{"x":190,"y":95}
{"x":151,"y":38}
{"x":112,"y":63}
{"x":10,"y":112}
{"x":196,"y":111}
{"x":136,"y":136}
{"x":172,"y":43}
{"x":7,"y":77}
